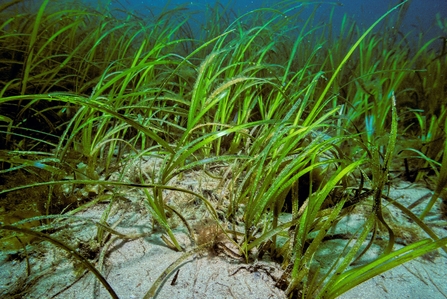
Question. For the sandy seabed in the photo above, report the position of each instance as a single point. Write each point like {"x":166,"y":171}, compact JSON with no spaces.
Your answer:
{"x":131,"y":266}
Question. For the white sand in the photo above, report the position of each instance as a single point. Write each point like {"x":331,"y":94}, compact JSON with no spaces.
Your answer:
{"x":132,"y":266}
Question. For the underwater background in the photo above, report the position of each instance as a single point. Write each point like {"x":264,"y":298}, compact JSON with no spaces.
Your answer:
{"x":420,"y":14}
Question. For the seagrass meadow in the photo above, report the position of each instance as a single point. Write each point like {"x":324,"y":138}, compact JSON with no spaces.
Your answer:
{"x":257,"y":136}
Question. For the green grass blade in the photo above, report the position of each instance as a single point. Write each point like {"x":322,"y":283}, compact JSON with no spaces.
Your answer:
{"x":32,"y":42}
{"x":354,"y":277}
{"x":329,"y":84}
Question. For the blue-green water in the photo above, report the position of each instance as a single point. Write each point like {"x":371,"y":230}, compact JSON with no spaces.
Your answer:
{"x":418,"y":17}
